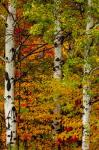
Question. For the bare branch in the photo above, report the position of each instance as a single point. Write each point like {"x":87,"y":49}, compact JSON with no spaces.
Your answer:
{"x":32,"y":52}
{"x":43,"y":50}
{"x":94,"y":101}
{"x":2,"y":58}
{"x":1,"y":115}
{"x":97,"y":68}
{"x":3,"y":4}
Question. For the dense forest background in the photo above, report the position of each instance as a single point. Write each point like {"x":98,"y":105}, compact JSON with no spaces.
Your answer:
{"x":50,"y":42}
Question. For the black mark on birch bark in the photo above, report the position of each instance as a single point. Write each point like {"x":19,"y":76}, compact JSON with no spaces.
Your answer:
{"x":8,"y":81}
{"x":57,"y":59}
{"x":13,"y":53}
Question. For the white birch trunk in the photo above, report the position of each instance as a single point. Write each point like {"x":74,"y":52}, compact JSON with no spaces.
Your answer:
{"x":10,"y":112}
{"x":57,"y":62}
{"x":57,"y":43}
{"x":57,"y":51}
{"x":86,"y":87}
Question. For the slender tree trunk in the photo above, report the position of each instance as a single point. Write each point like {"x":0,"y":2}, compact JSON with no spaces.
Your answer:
{"x":57,"y":70}
{"x":10,"y":111}
{"x":86,"y":85}
{"x":57,"y":42}
{"x":57,"y":51}
{"x":57,"y":64}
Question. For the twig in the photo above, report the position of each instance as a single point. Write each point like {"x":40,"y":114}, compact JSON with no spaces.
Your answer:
{"x":94,"y":101}
{"x":21,"y":44}
{"x":8,"y":11}
{"x":94,"y":70}
{"x":32,"y":52}
{"x":2,"y":58}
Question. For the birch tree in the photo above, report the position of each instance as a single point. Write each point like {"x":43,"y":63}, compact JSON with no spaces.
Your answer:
{"x":10,"y":111}
{"x":57,"y":43}
{"x":86,"y":83}
{"x":57,"y":63}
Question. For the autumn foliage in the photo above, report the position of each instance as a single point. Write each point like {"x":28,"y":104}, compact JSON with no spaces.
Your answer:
{"x":35,"y":91}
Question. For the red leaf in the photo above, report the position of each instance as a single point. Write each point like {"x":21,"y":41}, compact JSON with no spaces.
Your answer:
{"x":68,"y":129}
{"x":23,"y":105}
{"x":74,"y":138}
